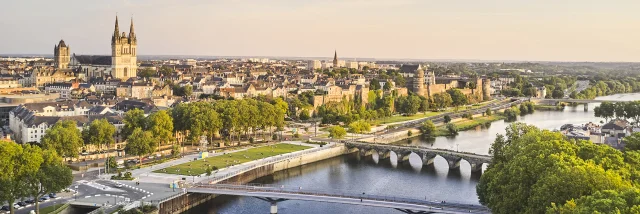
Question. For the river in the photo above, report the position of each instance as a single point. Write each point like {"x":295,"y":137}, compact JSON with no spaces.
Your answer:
{"x":350,"y":173}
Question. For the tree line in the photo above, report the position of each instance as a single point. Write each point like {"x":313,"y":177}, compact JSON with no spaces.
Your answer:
{"x":29,"y":171}
{"x":540,"y":171}
{"x":621,"y":110}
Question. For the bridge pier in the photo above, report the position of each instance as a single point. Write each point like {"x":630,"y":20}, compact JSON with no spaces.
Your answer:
{"x":428,"y":159}
{"x":586,"y":107}
{"x":402,"y":157}
{"x":476,"y":167}
{"x":365,"y":152}
{"x":274,"y":203}
{"x":454,"y":162}
{"x":383,"y":155}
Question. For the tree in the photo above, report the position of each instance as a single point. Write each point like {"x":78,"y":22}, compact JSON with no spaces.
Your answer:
{"x":452,"y":129}
{"x":304,"y":115}
{"x":488,"y":112}
{"x":100,"y":133}
{"x":64,"y":137}
{"x":632,"y":142}
{"x":133,"y":119}
{"x":161,"y":126}
{"x":605,"y":110}
{"x":457,"y":97}
{"x":187,"y":90}
{"x":140,"y":143}
{"x":165,"y":71}
{"x":18,"y":164}
{"x":374,"y":84}
{"x":337,"y":132}
{"x":447,"y":119}
{"x":52,"y":176}
{"x":428,"y":128}
{"x":387,"y":86}
{"x":533,"y":169}
{"x":557,"y":93}
{"x":146,"y":73}
{"x":359,"y":127}
{"x":441,"y":100}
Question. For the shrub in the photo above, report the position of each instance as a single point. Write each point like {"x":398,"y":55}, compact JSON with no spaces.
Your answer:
{"x":447,"y":119}
{"x":409,"y":133}
{"x":488,"y":112}
{"x":428,"y":128}
{"x":453,"y":130}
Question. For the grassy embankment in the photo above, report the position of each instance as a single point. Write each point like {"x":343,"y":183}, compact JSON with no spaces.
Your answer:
{"x":549,"y":107}
{"x":420,"y":115}
{"x":199,"y":167}
{"x":467,"y":124}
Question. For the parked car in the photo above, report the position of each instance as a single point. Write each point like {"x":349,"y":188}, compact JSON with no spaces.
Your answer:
{"x":118,"y":185}
{"x":6,"y":208}
{"x":30,"y":201}
{"x":16,"y":206}
{"x":22,"y":203}
{"x":52,"y":195}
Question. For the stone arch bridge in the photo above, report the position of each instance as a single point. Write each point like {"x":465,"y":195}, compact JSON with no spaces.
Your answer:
{"x":427,"y":155}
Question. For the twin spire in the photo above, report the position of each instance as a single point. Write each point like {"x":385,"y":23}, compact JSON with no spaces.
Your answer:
{"x":117,"y":36}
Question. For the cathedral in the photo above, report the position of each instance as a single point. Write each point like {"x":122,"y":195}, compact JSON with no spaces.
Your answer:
{"x":122,"y":64}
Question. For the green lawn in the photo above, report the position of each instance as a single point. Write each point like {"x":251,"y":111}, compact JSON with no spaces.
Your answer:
{"x":199,"y":167}
{"x":400,"y":118}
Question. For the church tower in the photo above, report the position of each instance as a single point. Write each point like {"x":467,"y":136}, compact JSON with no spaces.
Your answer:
{"x":61,"y":55}
{"x":418,"y":82}
{"x":124,"y":56}
{"x":335,"y":59}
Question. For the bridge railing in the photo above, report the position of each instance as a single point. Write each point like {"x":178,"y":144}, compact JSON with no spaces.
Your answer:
{"x":257,"y":188}
{"x":416,"y":147}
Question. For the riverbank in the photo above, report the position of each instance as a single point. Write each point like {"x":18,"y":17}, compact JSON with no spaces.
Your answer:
{"x":541,"y":107}
{"x":466,"y":124}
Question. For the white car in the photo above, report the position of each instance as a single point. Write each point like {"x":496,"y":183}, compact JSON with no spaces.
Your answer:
{"x":118,"y":185}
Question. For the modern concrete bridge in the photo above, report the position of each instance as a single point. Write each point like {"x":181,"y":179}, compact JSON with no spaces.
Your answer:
{"x":427,"y":155}
{"x":275,"y":194}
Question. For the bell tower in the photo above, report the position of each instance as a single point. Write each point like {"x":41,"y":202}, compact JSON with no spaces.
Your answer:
{"x":61,"y":55}
{"x":124,"y":56}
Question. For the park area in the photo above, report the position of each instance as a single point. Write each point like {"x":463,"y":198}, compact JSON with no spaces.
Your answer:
{"x":221,"y":161}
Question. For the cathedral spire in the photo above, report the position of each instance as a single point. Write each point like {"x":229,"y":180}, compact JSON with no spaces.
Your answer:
{"x":116,"y":32}
{"x":335,"y":59}
{"x":131,"y":33}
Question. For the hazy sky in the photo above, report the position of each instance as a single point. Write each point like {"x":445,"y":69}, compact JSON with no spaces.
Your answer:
{"x":556,"y":30}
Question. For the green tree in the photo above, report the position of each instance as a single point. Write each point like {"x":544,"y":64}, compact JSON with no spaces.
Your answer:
{"x":161,"y":126}
{"x":304,"y":115}
{"x":452,"y":129}
{"x":140,"y":143}
{"x":374,"y":84}
{"x":359,"y":127}
{"x":447,"y":119}
{"x":146,"y":73}
{"x":337,"y":132}
{"x":166,"y":71}
{"x":100,"y":133}
{"x":441,"y":100}
{"x":428,"y":128}
{"x":133,"y":119}
{"x":187,"y":90}
{"x":18,"y":165}
{"x":488,"y":112}
{"x":387,"y":86}
{"x":457,"y":97}
{"x":51,"y":176}
{"x":605,"y":110}
{"x":64,"y":137}
{"x":632,"y":142}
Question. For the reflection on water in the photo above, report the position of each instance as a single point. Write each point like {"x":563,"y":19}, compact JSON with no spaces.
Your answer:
{"x":370,"y":175}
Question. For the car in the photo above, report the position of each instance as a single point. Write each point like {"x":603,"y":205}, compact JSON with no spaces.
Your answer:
{"x":52,"y":195}
{"x":22,"y":203}
{"x":5,"y":208}
{"x":118,"y":185}
{"x":16,"y":206}
{"x":41,"y":199}
{"x":44,"y":198}
{"x":30,"y":201}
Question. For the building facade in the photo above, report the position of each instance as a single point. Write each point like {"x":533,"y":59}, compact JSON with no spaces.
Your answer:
{"x":124,"y":53}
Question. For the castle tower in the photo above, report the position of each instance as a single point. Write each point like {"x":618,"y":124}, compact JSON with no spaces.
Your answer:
{"x":486,"y":89}
{"x":61,"y":55}
{"x":124,"y":56}
{"x":418,"y":82}
{"x":335,"y":59}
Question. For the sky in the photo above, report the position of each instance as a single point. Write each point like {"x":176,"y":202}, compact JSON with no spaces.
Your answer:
{"x":540,"y":30}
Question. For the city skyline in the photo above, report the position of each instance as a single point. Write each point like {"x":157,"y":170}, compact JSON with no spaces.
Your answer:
{"x":491,"y":30}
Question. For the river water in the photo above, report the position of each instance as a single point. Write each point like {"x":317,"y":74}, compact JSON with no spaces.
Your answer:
{"x":350,"y":173}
